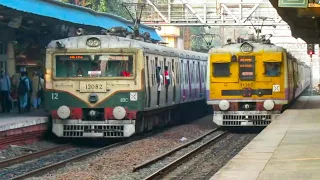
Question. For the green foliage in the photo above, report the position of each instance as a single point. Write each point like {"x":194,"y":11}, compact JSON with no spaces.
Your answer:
{"x":196,"y":42}
{"x":102,"y":7}
{"x":109,"y":6}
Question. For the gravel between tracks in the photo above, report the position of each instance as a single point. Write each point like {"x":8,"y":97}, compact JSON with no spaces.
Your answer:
{"x":19,"y":169}
{"x":14,"y":151}
{"x":143,"y":173}
{"x":208,"y":162}
{"x":120,"y":160}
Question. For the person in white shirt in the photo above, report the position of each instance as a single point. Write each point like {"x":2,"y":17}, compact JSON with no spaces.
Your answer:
{"x":159,"y":82}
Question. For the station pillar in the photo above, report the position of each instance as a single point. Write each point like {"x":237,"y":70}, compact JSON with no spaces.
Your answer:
{"x":170,"y":35}
{"x":11,"y":63}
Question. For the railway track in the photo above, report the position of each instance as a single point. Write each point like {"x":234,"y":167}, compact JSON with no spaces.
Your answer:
{"x":45,"y":161}
{"x":197,"y":146}
{"x":23,"y":158}
{"x":39,"y":163}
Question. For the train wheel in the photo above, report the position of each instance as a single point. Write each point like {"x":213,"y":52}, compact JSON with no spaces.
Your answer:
{"x":146,"y":123}
{"x":150,"y":123}
{"x":140,"y":123}
{"x":168,"y":117}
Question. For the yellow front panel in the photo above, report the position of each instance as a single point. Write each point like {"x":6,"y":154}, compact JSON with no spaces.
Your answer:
{"x":272,"y":57}
{"x":223,"y":58}
{"x":234,"y":85}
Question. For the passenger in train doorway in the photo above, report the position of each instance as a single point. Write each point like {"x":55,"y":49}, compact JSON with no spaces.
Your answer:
{"x":167,"y":81}
{"x":173,"y":83}
{"x":159,"y":81}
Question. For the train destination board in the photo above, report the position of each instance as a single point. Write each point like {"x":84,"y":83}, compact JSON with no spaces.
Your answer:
{"x":247,"y":68}
{"x":73,"y":57}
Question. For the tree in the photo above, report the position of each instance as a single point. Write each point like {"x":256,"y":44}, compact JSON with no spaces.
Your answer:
{"x":109,"y":6}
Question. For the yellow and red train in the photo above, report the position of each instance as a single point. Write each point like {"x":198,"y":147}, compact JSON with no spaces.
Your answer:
{"x":250,"y":84}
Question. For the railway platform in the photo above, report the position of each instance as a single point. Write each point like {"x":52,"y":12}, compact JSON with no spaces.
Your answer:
{"x":22,"y":128}
{"x":289,"y":148}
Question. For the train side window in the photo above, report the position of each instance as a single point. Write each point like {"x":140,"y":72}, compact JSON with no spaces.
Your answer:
{"x":195,"y":72}
{"x":153,"y":74}
{"x":3,"y":48}
{"x":175,"y":71}
{"x":157,"y":72}
{"x":272,"y":69}
{"x":181,"y":72}
{"x":178,"y":72}
{"x":205,"y":73}
{"x":202,"y":73}
{"x":186,"y":73}
{"x":198,"y":72}
{"x":221,"y":69}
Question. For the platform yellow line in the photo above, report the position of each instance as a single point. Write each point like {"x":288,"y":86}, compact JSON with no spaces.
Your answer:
{"x":302,"y":159}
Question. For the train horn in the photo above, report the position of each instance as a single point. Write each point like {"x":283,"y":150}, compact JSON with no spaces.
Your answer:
{"x":80,"y":32}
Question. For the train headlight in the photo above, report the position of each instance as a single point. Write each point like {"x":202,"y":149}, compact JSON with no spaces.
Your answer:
{"x":268,"y":105}
{"x":119,"y":112}
{"x":93,"y":42}
{"x":93,"y":98}
{"x":93,"y":113}
{"x":224,"y":105}
{"x":63,"y":112}
{"x":246,"y":47}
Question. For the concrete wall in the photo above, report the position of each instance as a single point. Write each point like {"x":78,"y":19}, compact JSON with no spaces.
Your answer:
{"x":170,"y":35}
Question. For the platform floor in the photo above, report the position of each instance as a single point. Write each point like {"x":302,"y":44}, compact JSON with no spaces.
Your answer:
{"x":288,"y":149}
{"x":12,"y":121}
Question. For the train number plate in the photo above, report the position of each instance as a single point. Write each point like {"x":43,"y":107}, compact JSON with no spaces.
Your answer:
{"x":247,"y":85}
{"x":93,"y":86}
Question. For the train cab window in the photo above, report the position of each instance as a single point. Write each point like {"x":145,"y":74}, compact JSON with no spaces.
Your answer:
{"x":272,"y":69}
{"x":96,"y":66}
{"x":221,"y":69}
{"x":3,"y":48}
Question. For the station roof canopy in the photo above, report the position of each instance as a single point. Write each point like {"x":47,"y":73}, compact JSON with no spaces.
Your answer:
{"x":303,"y":20}
{"x":73,"y":14}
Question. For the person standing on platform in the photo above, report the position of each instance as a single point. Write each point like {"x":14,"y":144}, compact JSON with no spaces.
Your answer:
{"x":23,"y":91}
{"x":5,"y":87}
{"x":37,"y":87}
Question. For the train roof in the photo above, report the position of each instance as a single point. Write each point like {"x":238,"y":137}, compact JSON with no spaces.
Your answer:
{"x":235,"y":48}
{"x":257,"y":47}
{"x":108,"y":41}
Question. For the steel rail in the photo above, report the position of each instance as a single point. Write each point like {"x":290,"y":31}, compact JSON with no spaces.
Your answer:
{"x":60,"y":164}
{"x":34,"y":155}
{"x":148,"y":162}
{"x":63,"y":163}
{"x":168,"y":168}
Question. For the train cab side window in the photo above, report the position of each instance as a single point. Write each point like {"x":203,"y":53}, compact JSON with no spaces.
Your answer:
{"x":221,"y":69}
{"x":272,"y":69}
